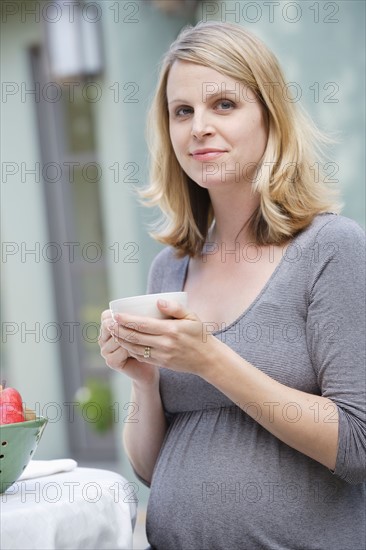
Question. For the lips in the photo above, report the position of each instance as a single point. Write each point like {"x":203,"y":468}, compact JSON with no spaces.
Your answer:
{"x":207,"y":154}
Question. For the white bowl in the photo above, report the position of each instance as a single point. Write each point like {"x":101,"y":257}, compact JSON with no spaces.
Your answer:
{"x":145,"y":305}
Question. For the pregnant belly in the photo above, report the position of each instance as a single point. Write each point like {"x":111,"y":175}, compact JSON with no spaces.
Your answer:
{"x":212,"y":484}
{"x":222,"y":481}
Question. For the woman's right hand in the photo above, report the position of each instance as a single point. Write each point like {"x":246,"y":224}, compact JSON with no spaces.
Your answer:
{"x":117,"y":358}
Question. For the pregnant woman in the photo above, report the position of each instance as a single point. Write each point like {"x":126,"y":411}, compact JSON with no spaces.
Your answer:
{"x":251,"y":430}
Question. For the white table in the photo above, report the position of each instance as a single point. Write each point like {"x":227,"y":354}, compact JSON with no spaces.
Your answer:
{"x":82,"y":509}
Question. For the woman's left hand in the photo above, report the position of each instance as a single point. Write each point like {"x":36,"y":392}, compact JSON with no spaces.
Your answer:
{"x":181,"y":343}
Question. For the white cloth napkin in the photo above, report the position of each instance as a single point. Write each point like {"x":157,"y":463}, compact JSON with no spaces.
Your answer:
{"x":40,"y":468}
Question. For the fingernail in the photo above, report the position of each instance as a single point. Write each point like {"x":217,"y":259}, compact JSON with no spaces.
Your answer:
{"x":163,"y":303}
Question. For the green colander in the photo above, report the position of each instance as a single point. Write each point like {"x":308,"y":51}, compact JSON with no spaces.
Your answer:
{"x":18,"y":443}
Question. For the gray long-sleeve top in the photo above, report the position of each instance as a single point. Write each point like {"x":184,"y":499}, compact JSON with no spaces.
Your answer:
{"x":221,"y":480}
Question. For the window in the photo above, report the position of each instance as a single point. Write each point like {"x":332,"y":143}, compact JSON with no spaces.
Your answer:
{"x":68,"y":142}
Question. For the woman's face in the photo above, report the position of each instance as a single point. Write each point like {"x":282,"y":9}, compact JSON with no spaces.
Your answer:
{"x":217,"y":127}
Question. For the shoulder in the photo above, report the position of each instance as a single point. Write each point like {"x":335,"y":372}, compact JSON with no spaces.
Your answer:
{"x":337,"y":226}
{"x":165,"y":259}
{"x":334,"y":246}
{"x":166,"y":270}
{"x":332,"y":233}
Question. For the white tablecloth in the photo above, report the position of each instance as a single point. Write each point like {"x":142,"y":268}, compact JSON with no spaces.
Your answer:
{"x":82,"y":509}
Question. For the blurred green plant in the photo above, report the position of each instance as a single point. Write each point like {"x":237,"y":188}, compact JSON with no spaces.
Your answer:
{"x":95,"y":404}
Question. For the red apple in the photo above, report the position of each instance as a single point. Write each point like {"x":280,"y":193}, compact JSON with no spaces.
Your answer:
{"x":11,"y":406}
{"x":11,"y":396}
{"x":10,"y":415}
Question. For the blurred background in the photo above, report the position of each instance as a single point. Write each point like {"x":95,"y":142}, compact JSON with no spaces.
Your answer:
{"x":77,"y":78}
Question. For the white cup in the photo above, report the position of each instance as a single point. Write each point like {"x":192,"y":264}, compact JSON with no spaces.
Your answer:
{"x":145,"y":305}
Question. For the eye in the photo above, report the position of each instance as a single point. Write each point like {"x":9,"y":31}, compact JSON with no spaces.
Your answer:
{"x":225,"y":105}
{"x":183,"y":111}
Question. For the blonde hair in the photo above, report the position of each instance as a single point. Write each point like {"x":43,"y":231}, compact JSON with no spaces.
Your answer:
{"x":290,"y":195}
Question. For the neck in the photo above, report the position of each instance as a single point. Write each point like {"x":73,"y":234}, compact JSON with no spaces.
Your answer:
{"x":231,"y":212}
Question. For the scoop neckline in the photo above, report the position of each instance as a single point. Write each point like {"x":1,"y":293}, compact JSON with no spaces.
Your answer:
{"x":259,"y":295}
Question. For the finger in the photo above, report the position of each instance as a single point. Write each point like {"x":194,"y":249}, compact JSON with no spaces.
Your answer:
{"x":114,"y":359}
{"x":175,"y":309}
{"x":106,"y":330}
{"x":134,"y":341}
{"x":143,"y":354}
{"x":107,"y":314}
{"x":137,"y":351}
{"x":111,"y":345}
{"x":146,"y":325}
{"x":126,"y":333}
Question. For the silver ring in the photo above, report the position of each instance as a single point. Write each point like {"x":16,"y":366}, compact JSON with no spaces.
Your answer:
{"x":147,"y":352}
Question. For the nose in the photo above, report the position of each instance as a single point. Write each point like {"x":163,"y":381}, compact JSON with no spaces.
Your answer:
{"x":201,"y":126}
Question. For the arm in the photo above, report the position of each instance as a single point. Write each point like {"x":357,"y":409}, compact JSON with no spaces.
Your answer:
{"x":336,"y":337}
{"x":299,"y":419}
{"x":143,"y":439}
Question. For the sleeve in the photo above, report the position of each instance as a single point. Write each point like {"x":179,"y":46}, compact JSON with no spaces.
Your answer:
{"x":336,"y":336}
{"x":155,"y":279}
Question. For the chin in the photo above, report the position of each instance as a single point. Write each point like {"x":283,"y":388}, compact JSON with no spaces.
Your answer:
{"x":212,"y":183}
